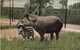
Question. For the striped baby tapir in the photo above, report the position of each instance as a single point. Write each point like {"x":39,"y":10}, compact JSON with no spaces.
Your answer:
{"x":25,"y":29}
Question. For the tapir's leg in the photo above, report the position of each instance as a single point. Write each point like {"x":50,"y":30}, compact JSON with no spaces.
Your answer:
{"x":57,"y":35}
{"x":51,"y":36}
{"x":41,"y":36}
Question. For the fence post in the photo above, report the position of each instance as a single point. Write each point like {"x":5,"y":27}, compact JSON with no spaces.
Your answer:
{"x":66,"y":12}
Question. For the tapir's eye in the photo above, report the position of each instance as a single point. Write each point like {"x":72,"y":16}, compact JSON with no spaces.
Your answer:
{"x":34,"y":20}
{"x":20,"y":26}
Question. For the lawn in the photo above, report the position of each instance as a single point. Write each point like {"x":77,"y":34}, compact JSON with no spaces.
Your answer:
{"x":7,"y":26}
{"x":2,"y":17}
{"x":67,"y":41}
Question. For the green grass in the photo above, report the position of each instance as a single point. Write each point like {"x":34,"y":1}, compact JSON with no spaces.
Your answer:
{"x":68,"y":41}
{"x":2,"y":17}
{"x":7,"y":26}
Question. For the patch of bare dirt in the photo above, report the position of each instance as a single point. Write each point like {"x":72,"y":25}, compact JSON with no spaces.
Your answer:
{"x":8,"y":34}
{"x":71,"y":28}
{"x":6,"y":22}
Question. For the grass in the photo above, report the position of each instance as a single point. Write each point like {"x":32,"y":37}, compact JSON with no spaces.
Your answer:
{"x":68,"y":41}
{"x":7,"y":26}
{"x":2,"y":17}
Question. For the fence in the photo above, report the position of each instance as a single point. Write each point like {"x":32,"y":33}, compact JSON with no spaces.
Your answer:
{"x":15,"y":8}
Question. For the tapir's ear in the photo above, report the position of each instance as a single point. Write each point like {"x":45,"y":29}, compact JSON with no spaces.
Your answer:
{"x":33,"y":19}
{"x":30,"y":18}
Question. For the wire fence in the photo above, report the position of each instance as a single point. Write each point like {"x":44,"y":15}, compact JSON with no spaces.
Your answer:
{"x":10,"y":12}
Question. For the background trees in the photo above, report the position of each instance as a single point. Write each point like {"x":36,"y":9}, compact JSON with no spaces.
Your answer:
{"x":37,"y":6}
{"x":75,"y":6}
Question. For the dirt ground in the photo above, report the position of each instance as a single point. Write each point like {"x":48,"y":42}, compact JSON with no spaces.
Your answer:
{"x":71,"y":28}
{"x":12,"y":33}
{"x":7,"y":22}
{"x":8,"y":34}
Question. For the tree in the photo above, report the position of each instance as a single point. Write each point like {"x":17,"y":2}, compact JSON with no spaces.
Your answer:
{"x":64,"y":3}
{"x":37,"y":6}
{"x":64,"y":6}
{"x":75,"y":6}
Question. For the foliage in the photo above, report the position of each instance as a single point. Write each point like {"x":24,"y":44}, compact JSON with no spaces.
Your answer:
{"x":67,"y":41}
{"x":75,"y":6}
{"x":64,"y":3}
{"x":37,"y":3}
{"x":73,"y":15}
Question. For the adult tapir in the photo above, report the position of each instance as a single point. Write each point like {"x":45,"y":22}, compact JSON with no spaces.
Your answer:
{"x":47,"y":24}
